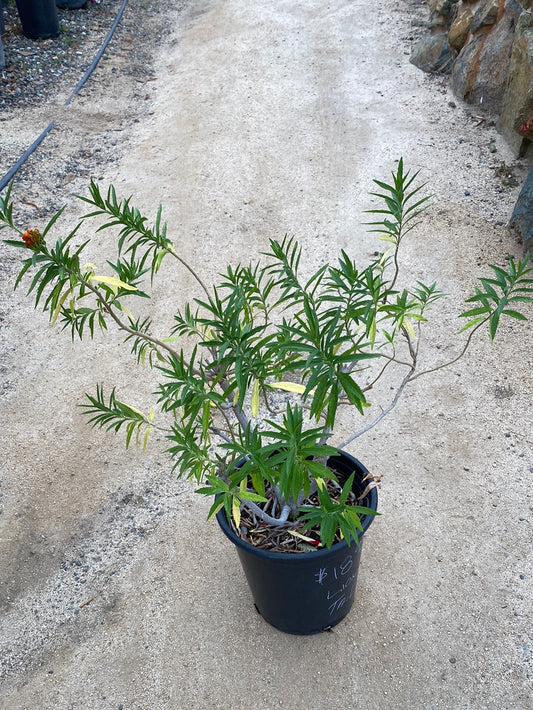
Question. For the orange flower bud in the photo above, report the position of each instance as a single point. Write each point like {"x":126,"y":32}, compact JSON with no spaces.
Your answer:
{"x":32,"y":238}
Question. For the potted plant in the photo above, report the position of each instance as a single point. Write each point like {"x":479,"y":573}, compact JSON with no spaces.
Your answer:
{"x":38,"y":18}
{"x":254,"y":376}
{"x":71,"y":4}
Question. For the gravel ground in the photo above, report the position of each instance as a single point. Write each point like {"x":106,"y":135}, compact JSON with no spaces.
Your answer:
{"x":98,"y":555}
{"x":41,"y":75}
{"x":39,"y":69}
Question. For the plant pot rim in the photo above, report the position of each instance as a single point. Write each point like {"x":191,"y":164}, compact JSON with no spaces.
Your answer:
{"x":371,"y":501}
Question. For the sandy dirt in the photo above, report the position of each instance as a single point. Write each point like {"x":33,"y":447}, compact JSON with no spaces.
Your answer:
{"x":263,"y":119}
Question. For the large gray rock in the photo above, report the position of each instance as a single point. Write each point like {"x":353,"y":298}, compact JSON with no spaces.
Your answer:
{"x":464,"y":72}
{"x":521,"y":222}
{"x":486,"y":14}
{"x":444,"y":8}
{"x":481,"y":71}
{"x":460,"y":29}
{"x":433,"y":54}
{"x":517,"y":109}
{"x":494,"y":60}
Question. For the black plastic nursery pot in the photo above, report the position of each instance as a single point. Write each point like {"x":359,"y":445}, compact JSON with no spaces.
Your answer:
{"x":309,"y":592}
{"x":38,"y":18}
{"x":71,"y":4}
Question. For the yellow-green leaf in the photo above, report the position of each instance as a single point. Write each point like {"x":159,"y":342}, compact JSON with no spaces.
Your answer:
{"x":134,"y":409}
{"x":300,"y":536}
{"x":387,"y":238}
{"x":125,"y":310}
{"x":214,"y":511}
{"x":295,"y":387}
{"x":255,"y":399}
{"x":59,"y":304}
{"x":145,"y":440}
{"x":409,"y":328}
{"x":112,"y":281}
{"x":373,"y":330}
{"x":236,"y":511}
{"x":385,"y":255}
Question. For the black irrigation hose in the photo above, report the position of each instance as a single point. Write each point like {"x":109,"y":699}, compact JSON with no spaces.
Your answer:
{"x":98,"y":55}
{"x":24,"y":157}
{"x":33,"y":147}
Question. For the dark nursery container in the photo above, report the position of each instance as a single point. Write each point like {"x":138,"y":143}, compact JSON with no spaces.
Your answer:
{"x":71,"y":4}
{"x":313,"y":591}
{"x":38,"y":18}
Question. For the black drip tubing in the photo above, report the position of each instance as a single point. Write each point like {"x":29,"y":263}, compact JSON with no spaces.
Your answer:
{"x":33,"y":147}
{"x":98,"y":55}
{"x":24,"y":157}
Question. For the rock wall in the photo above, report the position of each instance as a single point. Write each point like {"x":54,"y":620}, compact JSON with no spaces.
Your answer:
{"x":487,"y":48}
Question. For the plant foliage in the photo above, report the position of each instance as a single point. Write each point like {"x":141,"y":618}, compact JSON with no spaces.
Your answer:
{"x":255,"y":370}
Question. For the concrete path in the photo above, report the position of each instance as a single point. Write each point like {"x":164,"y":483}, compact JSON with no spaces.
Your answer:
{"x":272,"y":117}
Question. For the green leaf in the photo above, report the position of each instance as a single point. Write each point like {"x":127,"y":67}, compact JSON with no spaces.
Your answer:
{"x":346,"y":490}
{"x":217,"y":505}
{"x":471,"y":324}
{"x":514,"y":314}
{"x":475,"y":312}
{"x":493,"y":324}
